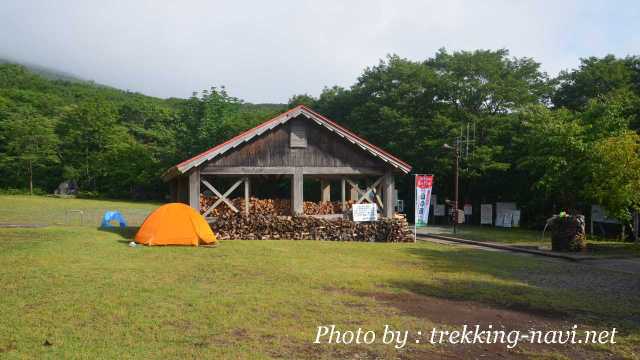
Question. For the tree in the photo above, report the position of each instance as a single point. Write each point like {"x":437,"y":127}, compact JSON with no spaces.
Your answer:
{"x":302,"y":99}
{"x":30,"y":140}
{"x":206,"y":119}
{"x":596,"y":77}
{"x":88,"y":131}
{"x":577,"y":157}
{"x":615,"y":174}
{"x":554,"y":154}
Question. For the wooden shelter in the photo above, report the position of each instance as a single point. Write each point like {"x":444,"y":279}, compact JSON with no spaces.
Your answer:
{"x":298,"y":143}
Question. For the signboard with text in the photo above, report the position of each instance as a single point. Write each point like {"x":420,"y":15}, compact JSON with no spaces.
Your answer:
{"x":486,"y":214}
{"x":365,"y":212}
{"x":424,"y":185}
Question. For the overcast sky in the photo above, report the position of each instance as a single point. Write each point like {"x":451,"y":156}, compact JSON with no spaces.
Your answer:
{"x":266,"y":51}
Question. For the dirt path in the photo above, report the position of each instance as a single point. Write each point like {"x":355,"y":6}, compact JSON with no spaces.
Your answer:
{"x":455,"y":314}
{"x":631,"y":266}
{"x":626,"y":265}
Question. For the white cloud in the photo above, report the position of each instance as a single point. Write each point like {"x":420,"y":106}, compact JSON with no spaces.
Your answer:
{"x":268,"y":51}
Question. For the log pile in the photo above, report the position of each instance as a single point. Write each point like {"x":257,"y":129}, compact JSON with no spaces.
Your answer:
{"x":271,"y":227}
{"x":270,"y":219}
{"x":272,"y":206}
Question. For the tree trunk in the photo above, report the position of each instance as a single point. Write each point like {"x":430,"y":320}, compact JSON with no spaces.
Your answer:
{"x":30,"y":177}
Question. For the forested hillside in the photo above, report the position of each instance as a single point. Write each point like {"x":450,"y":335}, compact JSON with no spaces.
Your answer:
{"x":547,"y":143}
{"x":113,"y":143}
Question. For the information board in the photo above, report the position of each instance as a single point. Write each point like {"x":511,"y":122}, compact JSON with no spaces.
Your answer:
{"x":486,"y":214}
{"x":365,"y":212}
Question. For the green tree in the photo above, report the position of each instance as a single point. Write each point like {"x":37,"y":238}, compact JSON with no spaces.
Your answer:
{"x":88,"y":132}
{"x":30,"y":141}
{"x":615,"y":174}
{"x":596,"y":77}
{"x":554,"y":154}
{"x":302,"y":99}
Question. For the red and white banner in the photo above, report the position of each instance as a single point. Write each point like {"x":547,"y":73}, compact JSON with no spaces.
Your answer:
{"x":424,"y":184}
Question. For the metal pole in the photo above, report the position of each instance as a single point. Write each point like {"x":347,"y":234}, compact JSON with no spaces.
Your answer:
{"x":455,"y":194}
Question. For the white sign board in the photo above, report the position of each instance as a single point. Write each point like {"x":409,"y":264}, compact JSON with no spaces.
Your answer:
{"x":438,"y":210}
{"x":507,"y":219}
{"x":516,"y":218}
{"x":486,"y":214}
{"x":598,"y":214}
{"x":502,"y":209}
{"x":365,"y":212}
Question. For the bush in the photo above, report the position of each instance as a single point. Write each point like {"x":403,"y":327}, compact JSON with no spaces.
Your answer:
{"x":14,"y":191}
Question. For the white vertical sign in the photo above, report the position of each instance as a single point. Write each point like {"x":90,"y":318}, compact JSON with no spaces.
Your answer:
{"x":424,"y":184}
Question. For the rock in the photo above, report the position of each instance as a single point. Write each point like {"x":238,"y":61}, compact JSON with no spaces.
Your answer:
{"x":69,"y":187}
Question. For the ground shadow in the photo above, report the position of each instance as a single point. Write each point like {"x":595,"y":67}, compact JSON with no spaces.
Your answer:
{"x":126,"y":233}
{"x":550,"y":288}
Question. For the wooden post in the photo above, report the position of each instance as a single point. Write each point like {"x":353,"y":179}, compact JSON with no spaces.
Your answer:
{"x":194,"y":189}
{"x":343,"y":194}
{"x":297,"y":201}
{"x":325,"y":191}
{"x":246,"y":196}
{"x":388,"y":185}
{"x":353,"y":193}
{"x":173,"y":190}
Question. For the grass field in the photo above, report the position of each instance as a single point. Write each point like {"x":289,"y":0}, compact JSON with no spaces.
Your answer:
{"x":519,"y":236}
{"x":79,"y":292}
{"x":24,"y":209}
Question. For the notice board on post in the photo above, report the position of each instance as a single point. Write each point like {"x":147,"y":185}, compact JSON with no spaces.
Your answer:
{"x":486,"y":214}
{"x":364,"y":212}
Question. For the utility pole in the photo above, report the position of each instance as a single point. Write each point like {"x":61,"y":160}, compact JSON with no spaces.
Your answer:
{"x":455,"y":191}
{"x":456,"y":150}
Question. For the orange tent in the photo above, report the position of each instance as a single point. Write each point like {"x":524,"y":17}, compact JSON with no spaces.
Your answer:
{"x":175,"y":224}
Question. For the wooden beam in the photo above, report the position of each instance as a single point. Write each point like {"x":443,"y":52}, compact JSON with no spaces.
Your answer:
{"x":370,"y":189}
{"x":246,"y":196}
{"x":353,"y":191}
{"x":388,"y":187}
{"x":221,"y":197}
{"x":194,"y":189}
{"x":297,"y":191}
{"x":343,"y":194}
{"x":325,"y":191}
{"x":246,"y":170}
{"x":289,"y":170}
{"x":341,"y":170}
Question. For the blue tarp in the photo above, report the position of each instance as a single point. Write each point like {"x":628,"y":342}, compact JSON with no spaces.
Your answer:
{"x":110,"y":216}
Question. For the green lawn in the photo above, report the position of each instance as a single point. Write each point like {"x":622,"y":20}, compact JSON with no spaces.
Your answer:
{"x":24,"y":209}
{"x":79,"y":292}
{"x":526,"y":237}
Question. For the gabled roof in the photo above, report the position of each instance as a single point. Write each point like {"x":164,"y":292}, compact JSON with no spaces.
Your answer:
{"x":246,"y":136}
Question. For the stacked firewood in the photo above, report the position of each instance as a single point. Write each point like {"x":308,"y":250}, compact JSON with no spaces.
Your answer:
{"x":272,"y":206}
{"x":270,"y":227}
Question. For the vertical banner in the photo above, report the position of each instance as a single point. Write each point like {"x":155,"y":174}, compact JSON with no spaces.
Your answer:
{"x":424,"y":184}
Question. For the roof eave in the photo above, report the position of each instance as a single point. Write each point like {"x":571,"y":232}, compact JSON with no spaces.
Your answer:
{"x":198,"y":160}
